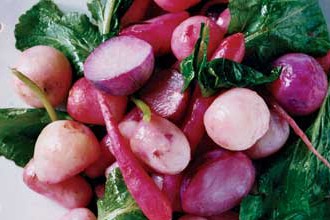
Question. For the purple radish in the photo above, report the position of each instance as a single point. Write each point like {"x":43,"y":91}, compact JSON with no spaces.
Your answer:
{"x":120,"y":66}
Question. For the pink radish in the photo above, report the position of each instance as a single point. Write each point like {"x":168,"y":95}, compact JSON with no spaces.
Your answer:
{"x":213,"y":8}
{"x":120,"y":66}
{"x":99,"y":191}
{"x":231,"y":48}
{"x":325,"y":62}
{"x":79,"y":214}
{"x":176,"y":5}
{"x":237,"y":119}
{"x":64,"y":149}
{"x":273,"y":140}
{"x":186,"y":34}
{"x":224,"y":20}
{"x":217,"y":183}
{"x":72,"y":193}
{"x":49,"y":69}
{"x":97,"y":168}
{"x":136,"y":12}
{"x":82,"y":103}
{"x":150,"y":199}
{"x":163,"y":94}
{"x":157,"y":31}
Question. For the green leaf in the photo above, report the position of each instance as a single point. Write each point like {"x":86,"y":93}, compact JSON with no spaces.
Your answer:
{"x":118,"y":204}
{"x":107,"y":14}
{"x":72,"y":33}
{"x":219,"y":73}
{"x":19,"y":129}
{"x":296,"y":185}
{"x":276,"y":27}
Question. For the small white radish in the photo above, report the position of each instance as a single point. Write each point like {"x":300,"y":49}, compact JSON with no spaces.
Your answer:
{"x":161,"y":145}
{"x":121,"y":65}
{"x":49,"y":69}
{"x":79,"y":214}
{"x":237,"y":119}
{"x":74,"y":192}
{"x":63,"y":149}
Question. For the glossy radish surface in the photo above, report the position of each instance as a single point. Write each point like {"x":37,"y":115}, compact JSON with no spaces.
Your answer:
{"x":231,"y":48}
{"x":186,"y":34}
{"x":74,"y":192}
{"x":176,"y":5}
{"x":161,"y":145}
{"x":120,"y":66}
{"x":157,"y":31}
{"x":325,"y":62}
{"x":82,"y":103}
{"x":79,"y":214}
{"x":163,"y":94}
{"x":136,"y":12}
{"x":217,"y":183}
{"x":49,"y":69}
{"x":237,"y":119}
{"x":105,"y":159}
{"x":275,"y":137}
{"x":63,"y":149}
{"x":302,"y":85}
{"x":146,"y":193}
{"x":224,"y":20}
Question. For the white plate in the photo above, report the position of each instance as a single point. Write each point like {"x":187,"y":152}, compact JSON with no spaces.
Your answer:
{"x":17,"y":202}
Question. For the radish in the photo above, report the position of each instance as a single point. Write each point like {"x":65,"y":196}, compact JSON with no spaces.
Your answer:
{"x":176,"y":5}
{"x":325,"y":62}
{"x":192,"y":217}
{"x":237,"y":119}
{"x":79,"y":214}
{"x":72,"y":193}
{"x":157,"y":31}
{"x":63,"y":149}
{"x":120,"y":66}
{"x":224,"y":21}
{"x":150,"y":199}
{"x":136,"y":12}
{"x":97,"y":168}
{"x":99,"y":190}
{"x":273,"y":140}
{"x":186,"y":34}
{"x":49,"y":69}
{"x":224,"y":216}
{"x":213,"y":8}
{"x":163,"y":94}
{"x":231,"y":48}
{"x":302,"y":85}
{"x":216,"y":183}
{"x":82,"y":103}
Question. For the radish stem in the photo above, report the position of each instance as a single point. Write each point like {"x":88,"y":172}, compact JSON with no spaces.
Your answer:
{"x":144,"y":108}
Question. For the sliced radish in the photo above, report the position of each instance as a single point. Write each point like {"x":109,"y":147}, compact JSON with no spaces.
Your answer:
{"x":120,"y":66}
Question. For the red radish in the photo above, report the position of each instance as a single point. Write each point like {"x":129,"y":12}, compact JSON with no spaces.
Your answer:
{"x":161,"y":145}
{"x":302,"y":85}
{"x":273,"y":140}
{"x":63,"y":149}
{"x":136,"y":12}
{"x":72,"y":193}
{"x":237,"y":119}
{"x":213,"y":8}
{"x":157,"y":31}
{"x":193,"y":125}
{"x":99,"y":191}
{"x":176,"y":5}
{"x":120,"y":66}
{"x":224,"y":216}
{"x":325,"y":62}
{"x":192,"y":217}
{"x":231,"y":48}
{"x":150,"y":199}
{"x":217,"y":183}
{"x":97,"y":168}
{"x":79,"y":214}
{"x":186,"y":34}
{"x":49,"y":69}
{"x":154,"y":11}
{"x":224,"y":21}
{"x":206,"y":145}
{"x":163,"y":94}
{"x":83,"y":106}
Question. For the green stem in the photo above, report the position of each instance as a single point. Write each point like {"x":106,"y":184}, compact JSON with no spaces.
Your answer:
{"x":144,"y":108}
{"x":39,"y":93}
{"x":109,"y":8}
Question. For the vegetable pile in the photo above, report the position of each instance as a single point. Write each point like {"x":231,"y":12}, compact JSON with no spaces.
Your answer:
{"x":174,"y":109}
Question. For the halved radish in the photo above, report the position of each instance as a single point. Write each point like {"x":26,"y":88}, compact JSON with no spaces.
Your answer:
{"x":120,"y":66}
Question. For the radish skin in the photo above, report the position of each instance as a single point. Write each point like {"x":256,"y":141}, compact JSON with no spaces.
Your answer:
{"x":79,"y":214}
{"x":74,"y":192}
{"x":325,"y":62}
{"x":136,"y":12}
{"x":224,"y":20}
{"x":150,"y":199}
{"x":120,"y":66}
{"x":231,"y":48}
{"x":176,"y":5}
